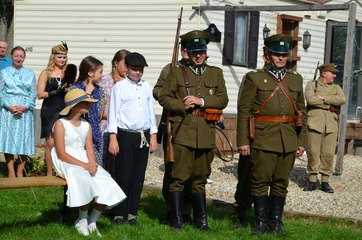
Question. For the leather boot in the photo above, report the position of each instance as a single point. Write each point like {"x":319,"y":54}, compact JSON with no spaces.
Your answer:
{"x":176,"y":210}
{"x":199,"y":211}
{"x":312,"y":186}
{"x":276,"y":212}
{"x":325,"y":187}
{"x":261,"y":215}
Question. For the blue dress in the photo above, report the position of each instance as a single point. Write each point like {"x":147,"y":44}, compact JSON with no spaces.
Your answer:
{"x":17,"y":88}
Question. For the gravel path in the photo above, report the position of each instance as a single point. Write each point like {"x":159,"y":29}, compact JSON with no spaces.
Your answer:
{"x":344,"y":203}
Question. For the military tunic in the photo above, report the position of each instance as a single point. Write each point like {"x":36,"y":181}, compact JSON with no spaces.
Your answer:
{"x":322,"y":126}
{"x":195,"y":137}
{"x":274,"y":148}
{"x":187,"y":199}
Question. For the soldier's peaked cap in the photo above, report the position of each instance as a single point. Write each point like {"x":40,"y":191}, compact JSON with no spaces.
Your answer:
{"x":279,"y":43}
{"x":328,"y":67}
{"x":196,"y":40}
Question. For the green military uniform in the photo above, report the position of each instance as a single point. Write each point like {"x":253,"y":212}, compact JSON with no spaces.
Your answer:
{"x":322,"y":125}
{"x":193,"y":131}
{"x":187,"y":201}
{"x":277,"y":138}
{"x":194,"y":136}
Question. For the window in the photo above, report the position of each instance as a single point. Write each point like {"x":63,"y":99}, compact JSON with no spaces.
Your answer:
{"x":335,"y":53}
{"x":241,"y":38}
{"x":290,"y":25}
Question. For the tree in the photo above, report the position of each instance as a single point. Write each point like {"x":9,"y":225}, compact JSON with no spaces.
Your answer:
{"x":6,"y":17}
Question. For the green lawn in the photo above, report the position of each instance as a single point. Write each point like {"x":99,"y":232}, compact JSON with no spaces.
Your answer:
{"x":22,"y":217}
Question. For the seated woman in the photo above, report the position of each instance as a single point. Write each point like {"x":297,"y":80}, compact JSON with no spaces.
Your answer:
{"x":74,"y":159}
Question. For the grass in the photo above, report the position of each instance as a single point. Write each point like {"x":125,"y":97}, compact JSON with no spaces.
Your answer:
{"x":21,"y":217}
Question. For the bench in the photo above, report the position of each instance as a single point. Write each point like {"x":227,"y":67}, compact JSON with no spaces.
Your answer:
{"x":28,"y":182}
{"x":353,"y":137}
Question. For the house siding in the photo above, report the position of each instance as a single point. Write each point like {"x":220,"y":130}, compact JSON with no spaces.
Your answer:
{"x":100,"y":28}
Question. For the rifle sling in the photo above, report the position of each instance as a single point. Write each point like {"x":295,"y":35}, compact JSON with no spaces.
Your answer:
{"x":188,"y":90}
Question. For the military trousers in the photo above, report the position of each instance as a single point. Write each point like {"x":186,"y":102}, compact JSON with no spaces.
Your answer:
{"x":243,"y":197}
{"x":187,"y":194}
{"x":270,"y":172}
{"x":191,"y":164}
{"x":321,"y":148}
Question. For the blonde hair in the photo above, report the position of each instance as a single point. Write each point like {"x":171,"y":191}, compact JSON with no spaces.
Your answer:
{"x":58,"y":49}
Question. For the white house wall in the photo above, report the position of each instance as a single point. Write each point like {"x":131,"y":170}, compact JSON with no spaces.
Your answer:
{"x":100,"y":28}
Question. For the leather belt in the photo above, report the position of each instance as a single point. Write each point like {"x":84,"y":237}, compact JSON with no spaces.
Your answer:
{"x":283,"y":119}
{"x":133,"y":131}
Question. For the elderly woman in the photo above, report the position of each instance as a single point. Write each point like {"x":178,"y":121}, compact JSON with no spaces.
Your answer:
{"x":17,"y":102}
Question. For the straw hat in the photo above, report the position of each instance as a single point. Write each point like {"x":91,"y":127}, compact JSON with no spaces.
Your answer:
{"x":73,"y":97}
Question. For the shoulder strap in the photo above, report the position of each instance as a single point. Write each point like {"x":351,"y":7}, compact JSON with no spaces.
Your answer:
{"x":286,"y":93}
{"x":268,"y":99}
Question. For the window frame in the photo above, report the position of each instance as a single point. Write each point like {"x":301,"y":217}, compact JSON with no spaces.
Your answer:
{"x":252,"y":39}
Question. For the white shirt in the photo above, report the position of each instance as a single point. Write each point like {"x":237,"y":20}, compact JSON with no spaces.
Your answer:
{"x":131,"y":107}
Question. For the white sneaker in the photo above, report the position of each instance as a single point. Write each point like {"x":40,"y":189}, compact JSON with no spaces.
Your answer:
{"x":82,"y":226}
{"x":92,"y":228}
{"x":209,"y":181}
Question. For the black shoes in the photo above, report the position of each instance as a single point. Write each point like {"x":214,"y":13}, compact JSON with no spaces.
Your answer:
{"x":122,"y":221}
{"x":133,"y":222}
{"x":326,"y":188}
{"x":312,"y":186}
{"x":119,"y":221}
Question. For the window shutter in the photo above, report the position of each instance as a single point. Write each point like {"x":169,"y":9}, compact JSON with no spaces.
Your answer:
{"x":253,"y":39}
{"x":229,"y":38}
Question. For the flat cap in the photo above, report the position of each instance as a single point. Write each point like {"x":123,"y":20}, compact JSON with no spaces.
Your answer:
{"x":279,"y":43}
{"x":328,"y":67}
{"x":196,"y":40}
{"x":135,"y":59}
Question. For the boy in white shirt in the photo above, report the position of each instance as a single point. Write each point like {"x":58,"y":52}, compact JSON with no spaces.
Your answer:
{"x":132,"y":128}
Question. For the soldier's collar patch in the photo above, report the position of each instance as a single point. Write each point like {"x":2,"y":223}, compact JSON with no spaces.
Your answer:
{"x":198,"y":70}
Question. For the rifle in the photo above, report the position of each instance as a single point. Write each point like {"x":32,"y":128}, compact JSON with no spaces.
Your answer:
{"x":170,"y":154}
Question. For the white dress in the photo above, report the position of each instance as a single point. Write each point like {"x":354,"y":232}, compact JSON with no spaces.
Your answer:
{"x":82,"y":186}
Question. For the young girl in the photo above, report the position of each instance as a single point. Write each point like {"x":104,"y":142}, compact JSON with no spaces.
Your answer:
{"x":118,"y":73}
{"x":90,"y":75}
{"x":74,"y":159}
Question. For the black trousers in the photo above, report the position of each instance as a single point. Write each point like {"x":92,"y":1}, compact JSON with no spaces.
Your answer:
{"x":131,"y":163}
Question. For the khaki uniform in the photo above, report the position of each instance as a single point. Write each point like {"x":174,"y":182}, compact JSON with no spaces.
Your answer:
{"x":275,"y":144}
{"x":195,"y":137}
{"x":322,"y":127}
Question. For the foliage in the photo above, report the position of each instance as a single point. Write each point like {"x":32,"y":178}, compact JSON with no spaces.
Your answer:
{"x":6,"y":11}
{"x":35,"y":166}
